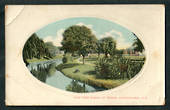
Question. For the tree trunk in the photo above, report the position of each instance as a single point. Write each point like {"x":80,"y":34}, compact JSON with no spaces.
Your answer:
{"x":124,"y":75}
{"x":129,"y":76}
{"x":65,"y":52}
{"x":106,"y":55}
{"x":98,"y":55}
{"x":84,"y":87}
{"x":72,"y":54}
{"x":83,"y":59}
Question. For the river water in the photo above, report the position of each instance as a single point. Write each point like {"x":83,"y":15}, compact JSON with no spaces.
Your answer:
{"x":46,"y":72}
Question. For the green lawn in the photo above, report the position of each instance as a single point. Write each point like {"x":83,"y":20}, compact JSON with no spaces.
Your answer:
{"x":90,"y":61}
{"x":134,"y":57}
{"x":58,"y":56}
{"x":36,"y":60}
{"x":43,"y":59}
{"x":87,"y":74}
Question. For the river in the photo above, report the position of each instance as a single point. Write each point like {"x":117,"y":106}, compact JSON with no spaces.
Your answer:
{"x":46,"y":72}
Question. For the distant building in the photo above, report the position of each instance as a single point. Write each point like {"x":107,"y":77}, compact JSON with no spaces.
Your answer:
{"x":59,"y":52}
{"x":125,"y":52}
{"x":130,"y":52}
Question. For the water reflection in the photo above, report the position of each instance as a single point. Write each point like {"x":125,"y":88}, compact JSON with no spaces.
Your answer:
{"x":42,"y":71}
{"x":47,"y":73}
{"x":76,"y":87}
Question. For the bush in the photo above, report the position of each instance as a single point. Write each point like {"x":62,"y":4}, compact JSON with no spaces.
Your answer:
{"x":117,"y":68}
{"x":76,"y":87}
{"x":65,"y":59}
{"x":103,"y":68}
{"x":134,"y":68}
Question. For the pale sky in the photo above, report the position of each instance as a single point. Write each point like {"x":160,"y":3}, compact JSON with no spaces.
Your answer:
{"x":100,"y":27}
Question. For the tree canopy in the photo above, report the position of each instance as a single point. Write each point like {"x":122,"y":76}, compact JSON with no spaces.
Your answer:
{"x":78,"y":39}
{"x":108,"y":46}
{"x":35,"y":48}
{"x":52,"y":48}
{"x":138,"y":46}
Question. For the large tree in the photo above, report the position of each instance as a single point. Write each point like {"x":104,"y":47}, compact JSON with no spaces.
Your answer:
{"x":99,"y":48}
{"x":78,"y":39}
{"x":35,"y":48}
{"x":138,"y":46}
{"x":108,"y":46}
{"x":52,"y":48}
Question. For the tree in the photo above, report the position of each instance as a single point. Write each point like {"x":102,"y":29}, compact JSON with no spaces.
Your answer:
{"x":119,"y":51}
{"x":78,"y":39}
{"x":52,"y":48}
{"x":76,"y":87}
{"x":99,"y":48}
{"x":35,"y":48}
{"x":108,"y":46}
{"x":138,"y":46}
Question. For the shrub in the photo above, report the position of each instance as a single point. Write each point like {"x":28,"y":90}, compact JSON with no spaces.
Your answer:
{"x":117,"y":68}
{"x":76,"y":87}
{"x":134,"y":68}
{"x":103,"y":68}
{"x":65,"y":59}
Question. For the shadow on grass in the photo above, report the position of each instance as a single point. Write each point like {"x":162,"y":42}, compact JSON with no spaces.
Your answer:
{"x":69,"y":65}
{"x":100,"y":77}
{"x":90,"y":72}
{"x":91,"y":59}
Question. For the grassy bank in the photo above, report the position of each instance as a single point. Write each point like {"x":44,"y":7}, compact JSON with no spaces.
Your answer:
{"x":86,"y":74}
{"x":36,"y":60}
{"x":134,"y":57}
{"x":43,"y":59}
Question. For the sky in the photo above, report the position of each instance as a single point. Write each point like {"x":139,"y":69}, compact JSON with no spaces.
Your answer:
{"x":100,"y":27}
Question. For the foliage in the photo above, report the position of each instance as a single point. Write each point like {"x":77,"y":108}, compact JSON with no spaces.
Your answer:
{"x":103,"y":68}
{"x":135,"y":58}
{"x":117,"y":68}
{"x":87,"y":75}
{"x":99,"y":47}
{"x":119,"y":51}
{"x":52,"y":49}
{"x":108,"y":46}
{"x":138,"y":46}
{"x":65,"y":59}
{"x":75,"y":87}
{"x":42,"y":73}
{"x":35,"y":48}
{"x":80,"y":39}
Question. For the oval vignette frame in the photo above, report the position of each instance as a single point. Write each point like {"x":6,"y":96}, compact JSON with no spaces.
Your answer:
{"x":78,"y":21}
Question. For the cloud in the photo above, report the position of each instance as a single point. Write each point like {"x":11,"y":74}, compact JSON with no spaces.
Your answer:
{"x":122,"y":44}
{"x":120,"y":39}
{"x":112,"y":33}
{"x":55,"y":40}
{"x":87,"y":25}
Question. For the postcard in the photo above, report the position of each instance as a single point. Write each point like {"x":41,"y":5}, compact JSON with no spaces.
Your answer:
{"x":85,"y":55}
